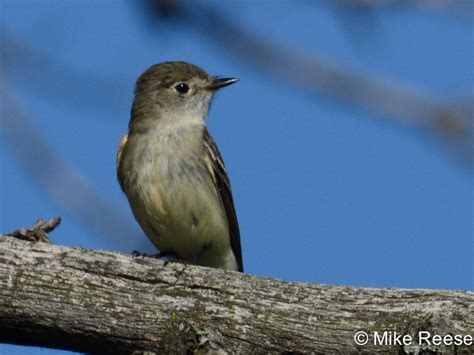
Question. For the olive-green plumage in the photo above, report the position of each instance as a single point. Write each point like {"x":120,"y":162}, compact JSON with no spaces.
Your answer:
{"x":167,"y":73}
{"x":172,"y":172}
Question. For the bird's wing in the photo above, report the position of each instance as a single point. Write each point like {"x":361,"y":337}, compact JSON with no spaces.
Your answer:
{"x":122,"y":144}
{"x":222,"y":183}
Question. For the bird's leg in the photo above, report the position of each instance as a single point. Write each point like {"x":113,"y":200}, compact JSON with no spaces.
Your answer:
{"x":193,"y":261}
{"x":174,"y":259}
{"x":204,"y":248}
{"x":159,"y":255}
{"x":138,"y":253}
{"x":165,"y":253}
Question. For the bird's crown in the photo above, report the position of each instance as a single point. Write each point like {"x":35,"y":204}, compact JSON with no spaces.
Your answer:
{"x":167,"y":73}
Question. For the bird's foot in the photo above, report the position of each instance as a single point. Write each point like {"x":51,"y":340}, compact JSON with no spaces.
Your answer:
{"x":159,"y":255}
{"x":136,"y":253}
{"x":175,"y":259}
{"x":170,"y":256}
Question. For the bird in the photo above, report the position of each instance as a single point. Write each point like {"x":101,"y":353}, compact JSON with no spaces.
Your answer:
{"x":171,"y":170}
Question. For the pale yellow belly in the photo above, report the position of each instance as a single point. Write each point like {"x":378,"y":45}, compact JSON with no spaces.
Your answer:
{"x":173,"y":197}
{"x":184,"y":216}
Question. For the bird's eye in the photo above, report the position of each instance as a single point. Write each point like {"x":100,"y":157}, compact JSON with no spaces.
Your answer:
{"x":182,"y":88}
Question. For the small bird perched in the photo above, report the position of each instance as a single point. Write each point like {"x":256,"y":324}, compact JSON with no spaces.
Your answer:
{"x":171,"y":171}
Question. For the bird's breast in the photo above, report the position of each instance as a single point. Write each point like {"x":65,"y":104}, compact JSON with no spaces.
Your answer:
{"x":171,"y":192}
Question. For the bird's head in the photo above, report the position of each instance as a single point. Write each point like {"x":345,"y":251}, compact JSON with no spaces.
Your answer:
{"x":175,"y":91}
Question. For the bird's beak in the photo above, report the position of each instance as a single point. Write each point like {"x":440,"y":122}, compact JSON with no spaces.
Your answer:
{"x":218,"y":83}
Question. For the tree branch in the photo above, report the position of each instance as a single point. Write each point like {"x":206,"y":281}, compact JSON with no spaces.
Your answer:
{"x":98,"y":301}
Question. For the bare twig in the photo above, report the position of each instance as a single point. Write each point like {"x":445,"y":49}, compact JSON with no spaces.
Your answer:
{"x":37,"y":233}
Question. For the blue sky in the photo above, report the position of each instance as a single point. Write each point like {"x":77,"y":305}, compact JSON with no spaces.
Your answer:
{"x":325,"y":192}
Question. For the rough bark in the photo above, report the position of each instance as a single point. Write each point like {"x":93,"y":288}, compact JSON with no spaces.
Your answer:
{"x":104,"y":302}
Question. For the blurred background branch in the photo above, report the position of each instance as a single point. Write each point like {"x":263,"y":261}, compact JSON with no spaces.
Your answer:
{"x":67,"y":86}
{"x":458,"y":8}
{"x":380,"y":96}
{"x":63,"y":184}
